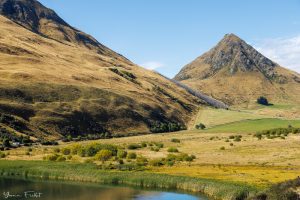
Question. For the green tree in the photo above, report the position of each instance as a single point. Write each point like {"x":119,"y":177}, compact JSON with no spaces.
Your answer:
{"x":263,"y":101}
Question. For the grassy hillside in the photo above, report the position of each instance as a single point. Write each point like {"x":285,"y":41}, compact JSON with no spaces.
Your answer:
{"x":50,"y":89}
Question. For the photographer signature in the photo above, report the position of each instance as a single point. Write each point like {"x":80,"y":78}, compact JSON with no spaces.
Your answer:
{"x":26,"y":195}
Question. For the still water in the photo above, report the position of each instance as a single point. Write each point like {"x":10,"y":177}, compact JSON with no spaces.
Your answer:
{"x":15,"y":189}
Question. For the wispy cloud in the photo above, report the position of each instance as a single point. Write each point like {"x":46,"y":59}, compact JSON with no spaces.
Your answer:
{"x":152,"y":65}
{"x":284,"y":51}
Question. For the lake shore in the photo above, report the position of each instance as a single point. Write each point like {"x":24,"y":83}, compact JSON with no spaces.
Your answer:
{"x":90,"y":173}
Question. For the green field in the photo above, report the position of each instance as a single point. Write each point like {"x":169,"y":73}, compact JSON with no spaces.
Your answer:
{"x":212,"y":117}
{"x":253,"y":125}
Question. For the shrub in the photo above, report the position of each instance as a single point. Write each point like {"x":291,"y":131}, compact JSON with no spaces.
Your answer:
{"x":121,"y":153}
{"x":6,"y":142}
{"x":222,"y":148}
{"x":103,"y":155}
{"x":131,"y":155}
{"x":156,"y":162}
{"x":200,"y":126}
{"x":52,"y":157}
{"x":144,"y":144}
{"x":49,"y":143}
{"x":159,"y":145}
{"x":141,"y":161}
{"x":2,"y":155}
{"x":56,"y":150}
{"x":60,"y":158}
{"x":175,"y":140}
{"x":66,"y":151}
{"x":263,"y":101}
{"x":172,"y":150}
{"x":134,"y":146}
{"x":156,"y":149}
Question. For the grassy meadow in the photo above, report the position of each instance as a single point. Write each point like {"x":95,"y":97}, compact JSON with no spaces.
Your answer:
{"x":226,"y":153}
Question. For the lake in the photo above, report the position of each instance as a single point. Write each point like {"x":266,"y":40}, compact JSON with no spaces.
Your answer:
{"x":20,"y":189}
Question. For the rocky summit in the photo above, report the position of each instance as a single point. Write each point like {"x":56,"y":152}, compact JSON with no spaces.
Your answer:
{"x":236,"y":73}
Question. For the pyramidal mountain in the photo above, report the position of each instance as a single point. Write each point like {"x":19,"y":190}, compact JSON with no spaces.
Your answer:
{"x":57,"y":81}
{"x":235,"y":73}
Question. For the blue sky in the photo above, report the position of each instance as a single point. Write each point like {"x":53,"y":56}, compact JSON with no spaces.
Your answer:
{"x":167,"y":34}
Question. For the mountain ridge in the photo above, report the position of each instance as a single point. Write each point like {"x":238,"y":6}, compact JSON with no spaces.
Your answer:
{"x":37,"y":18}
{"x":51,"y":89}
{"x":232,"y":59}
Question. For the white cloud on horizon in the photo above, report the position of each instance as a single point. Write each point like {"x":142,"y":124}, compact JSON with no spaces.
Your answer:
{"x":152,"y":65}
{"x":284,"y":51}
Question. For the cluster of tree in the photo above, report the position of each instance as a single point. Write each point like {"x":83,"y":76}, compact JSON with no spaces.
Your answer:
{"x":70,"y":138}
{"x":11,"y":139}
{"x":277,"y":133}
{"x":160,"y":127}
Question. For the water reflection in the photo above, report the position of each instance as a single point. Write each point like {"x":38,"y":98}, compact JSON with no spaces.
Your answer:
{"x":15,"y":189}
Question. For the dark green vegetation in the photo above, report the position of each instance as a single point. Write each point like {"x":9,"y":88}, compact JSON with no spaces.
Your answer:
{"x":263,"y":101}
{"x":160,"y":127}
{"x":200,"y":126}
{"x":277,"y":133}
{"x":282,"y":191}
{"x":91,"y":173}
{"x":125,"y":74}
{"x":175,"y":140}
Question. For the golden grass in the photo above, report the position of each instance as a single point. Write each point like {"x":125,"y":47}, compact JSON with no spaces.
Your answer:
{"x":252,"y":161}
{"x":259,"y":176}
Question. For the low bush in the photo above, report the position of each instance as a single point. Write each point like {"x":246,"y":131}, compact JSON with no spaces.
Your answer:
{"x":2,"y":155}
{"x":134,"y":146}
{"x":121,"y":153}
{"x":103,"y":155}
{"x":175,"y":140}
{"x":131,"y":155}
{"x":173,"y":150}
{"x":66,"y":151}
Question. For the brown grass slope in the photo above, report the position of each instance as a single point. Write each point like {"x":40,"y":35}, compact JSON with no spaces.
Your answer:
{"x":235,"y":73}
{"x":52,"y":86}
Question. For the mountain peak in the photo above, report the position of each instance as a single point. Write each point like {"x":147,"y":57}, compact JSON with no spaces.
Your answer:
{"x":235,"y":72}
{"x":230,"y":56}
{"x":231,"y":37}
{"x":28,"y":13}
{"x":41,"y":20}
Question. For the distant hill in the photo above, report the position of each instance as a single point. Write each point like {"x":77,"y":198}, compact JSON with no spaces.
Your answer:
{"x":57,"y":81}
{"x":236,"y":73}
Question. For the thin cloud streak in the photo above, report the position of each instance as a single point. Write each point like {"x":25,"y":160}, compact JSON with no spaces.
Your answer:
{"x":152,"y":65}
{"x":284,"y":51}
